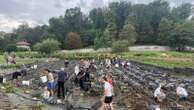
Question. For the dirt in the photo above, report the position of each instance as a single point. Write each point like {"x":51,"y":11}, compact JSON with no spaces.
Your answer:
{"x":133,"y":89}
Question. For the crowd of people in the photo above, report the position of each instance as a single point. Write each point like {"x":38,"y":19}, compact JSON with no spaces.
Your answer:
{"x":82,"y":75}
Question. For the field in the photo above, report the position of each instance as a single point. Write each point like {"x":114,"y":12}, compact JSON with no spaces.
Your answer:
{"x":162,"y":59}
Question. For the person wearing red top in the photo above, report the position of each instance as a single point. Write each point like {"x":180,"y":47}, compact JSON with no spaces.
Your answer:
{"x":109,"y":77}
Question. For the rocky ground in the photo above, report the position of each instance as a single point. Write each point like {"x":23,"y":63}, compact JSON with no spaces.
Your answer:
{"x":133,"y":89}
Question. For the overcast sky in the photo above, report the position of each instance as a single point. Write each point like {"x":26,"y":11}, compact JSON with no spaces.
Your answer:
{"x":34,"y":12}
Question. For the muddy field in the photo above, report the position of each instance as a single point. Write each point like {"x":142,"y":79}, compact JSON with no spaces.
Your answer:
{"x":133,"y":89}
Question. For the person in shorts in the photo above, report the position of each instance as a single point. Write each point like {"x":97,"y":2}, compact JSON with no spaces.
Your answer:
{"x":108,"y":95}
{"x":50,"y":83}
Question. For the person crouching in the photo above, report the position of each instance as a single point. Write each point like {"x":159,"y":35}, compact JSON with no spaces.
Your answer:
{"x":181,"y":93}
{"x":159,"y":94}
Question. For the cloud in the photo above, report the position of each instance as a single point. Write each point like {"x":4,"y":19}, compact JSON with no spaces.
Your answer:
{"x":7,"y":24}
{"x":40,"y":11}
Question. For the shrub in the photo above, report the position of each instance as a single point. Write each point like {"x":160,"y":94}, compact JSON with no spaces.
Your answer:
{"x":10,"y":47}
{"x":47,"y":46}
{"x":120,"y":46}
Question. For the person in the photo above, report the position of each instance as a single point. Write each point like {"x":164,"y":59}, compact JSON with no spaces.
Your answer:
{"x":159,"y":94}
{"x":87,"y":74}
{"x":23,"y":70}
{"x":110,"y":81}
{"x":46,"y":94}
{"x":61,"y":82}
{"x":51,"y":84}
{"x":181,"y":93}
{"x":108,"y":95}
{"x":76,"y":69}
{"x":81,"y":78}
{"x":109,"y":78}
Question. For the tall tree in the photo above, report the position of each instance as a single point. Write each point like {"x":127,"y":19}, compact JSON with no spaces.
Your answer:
{"x":159,"y":9}
{"x":128,"y":33}
{"x":182,"y":35}
{"x":74,"y":19}
{"x":181,"y":12}
{"x":110,"y":34}
{"x":165,"y":28}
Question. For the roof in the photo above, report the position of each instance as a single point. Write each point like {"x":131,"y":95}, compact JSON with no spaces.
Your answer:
{"x":22,"y":43}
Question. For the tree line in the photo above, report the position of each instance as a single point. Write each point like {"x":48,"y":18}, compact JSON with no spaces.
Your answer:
{"x":119,"y":25}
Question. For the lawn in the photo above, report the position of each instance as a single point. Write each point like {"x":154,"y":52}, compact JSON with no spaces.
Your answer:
{"x":163,"y":59}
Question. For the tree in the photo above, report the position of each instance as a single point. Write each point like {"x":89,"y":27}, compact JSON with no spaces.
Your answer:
{"x":128,"y":33}
{"x":141,"y":18}
{"x":110,"y":34}
{"x":165,"y":28}
{"x":120,"y":46}
{"x":73,"y":41}
{"x":74,"y":19}
{"x":181,"y":12}
{"x":182,"y":35}
{"x":47,"y":46}
{"x":97,"y":17}
{"x":158,"y":9}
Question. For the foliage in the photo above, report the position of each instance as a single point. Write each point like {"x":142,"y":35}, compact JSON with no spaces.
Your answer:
{"x":182,"y":35}
{"x":128,"y":33}
{"x":10,"y":48}
{"x":165,"y":28}
{"x":155,"y":23}
{"x":47,"y":46}
{"x":120,"y":46}
{"x":73,"y":41}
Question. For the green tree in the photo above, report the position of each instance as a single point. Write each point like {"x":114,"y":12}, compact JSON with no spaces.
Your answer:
{"x":182,"y":35}
{"x":73,"y":41}
{"x":158,"y":9}
{"x":47,"y":46}
{"x":110,"y":34}
{"x":120,"y":46}
{"x":165,"y":28}
{"x":128,"y":33}
{"x":74,"y":19}
{"x":181,"y":12}
{"x":141,"y":18}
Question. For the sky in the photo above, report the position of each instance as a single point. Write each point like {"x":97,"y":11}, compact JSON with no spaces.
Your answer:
{"x":36,"y":12}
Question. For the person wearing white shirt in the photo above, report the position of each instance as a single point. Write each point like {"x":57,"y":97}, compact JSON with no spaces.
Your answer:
{"x":159,"y":94}
{"x":76,"y":69}
{"x":108,"y":95}
{"x":181,"y":92}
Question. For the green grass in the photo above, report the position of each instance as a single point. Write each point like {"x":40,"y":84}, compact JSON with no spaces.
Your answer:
{"x":163,"y":59}
{"x":169,"y":59}
{"x":2,"y":59}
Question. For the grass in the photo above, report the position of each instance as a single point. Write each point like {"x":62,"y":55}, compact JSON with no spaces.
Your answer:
{"x":163,"y":59}
{"x":169,"y":59}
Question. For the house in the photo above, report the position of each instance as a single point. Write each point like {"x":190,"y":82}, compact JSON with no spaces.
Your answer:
{"x":23,"y":44}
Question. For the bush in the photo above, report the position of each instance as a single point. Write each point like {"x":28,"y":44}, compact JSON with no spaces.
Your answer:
{"x":10,"y":48}
{"x":29,"y":55}
{"x":47,"y":46}
{"x":21,"y":49}
{"x":120,"y":46}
